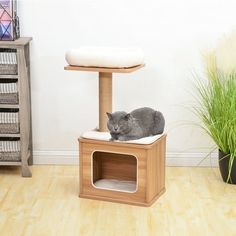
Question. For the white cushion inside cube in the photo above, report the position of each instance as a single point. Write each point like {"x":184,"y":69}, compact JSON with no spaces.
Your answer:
{"x":105,"y":57}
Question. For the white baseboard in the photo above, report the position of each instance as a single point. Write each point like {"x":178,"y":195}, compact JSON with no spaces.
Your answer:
{"x":56,"y":157}
{"x":172,"y":159}
{"x":192,"y":159}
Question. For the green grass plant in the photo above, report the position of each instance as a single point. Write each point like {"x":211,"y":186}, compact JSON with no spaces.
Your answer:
{"x":217,"y":110}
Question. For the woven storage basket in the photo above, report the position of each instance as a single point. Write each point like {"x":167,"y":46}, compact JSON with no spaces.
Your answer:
{"x":9,"y":128}
{"x":9,"y":123}
{"x":8,"y":62}
{"x":8,"y":93}
{"x":9,"y":98}
{"x":10,"y":150}
{"x":8,"y":69}
{"x":10,"y":156}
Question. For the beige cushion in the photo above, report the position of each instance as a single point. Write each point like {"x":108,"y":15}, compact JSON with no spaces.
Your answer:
{"x":105,"y":57}
{"x":105,"y":136}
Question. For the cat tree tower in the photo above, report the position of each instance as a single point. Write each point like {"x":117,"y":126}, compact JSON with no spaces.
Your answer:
{"x":137,"y":168}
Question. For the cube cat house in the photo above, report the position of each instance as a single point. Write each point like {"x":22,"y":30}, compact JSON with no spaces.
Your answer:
{"x":140,"y":166}
{"x":124,"y":172}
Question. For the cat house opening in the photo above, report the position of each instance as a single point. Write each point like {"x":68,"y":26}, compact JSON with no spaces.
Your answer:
{"x":114,"y":171}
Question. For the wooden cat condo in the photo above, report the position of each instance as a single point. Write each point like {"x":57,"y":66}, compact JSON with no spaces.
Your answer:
{"x":130,"y":172}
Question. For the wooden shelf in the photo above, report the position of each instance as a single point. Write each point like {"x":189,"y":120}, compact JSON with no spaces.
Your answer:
{"x":10,"y":163}
{"x":11,"y":106}
{"x":16,"y":43}
{"x":105,"y":69}
{"x":9,"y":135}
{"x":9,"y":77}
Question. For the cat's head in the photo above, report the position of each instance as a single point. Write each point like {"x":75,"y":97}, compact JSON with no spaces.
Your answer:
{"x":119,"y":122}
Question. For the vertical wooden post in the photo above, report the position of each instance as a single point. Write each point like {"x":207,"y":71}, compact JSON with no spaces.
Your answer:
{"x":105,"y":99}
{"x":27,"y":58}
{"x":24,"y":102}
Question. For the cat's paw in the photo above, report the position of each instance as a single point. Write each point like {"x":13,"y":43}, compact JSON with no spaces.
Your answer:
{"x":111,"y":139}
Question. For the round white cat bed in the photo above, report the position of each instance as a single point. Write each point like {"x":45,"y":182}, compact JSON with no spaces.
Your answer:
{"x":105,"y":57}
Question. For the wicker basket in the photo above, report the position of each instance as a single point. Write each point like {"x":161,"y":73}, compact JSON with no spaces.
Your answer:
{"x":8,"y":93}
{"x":9,"y":128}
{"x":8,"y":62}
{"x":8,"y":69}
{"x":10,"y":156}
{"x":10,"y":150}
{"x":9,"y":98}
{"x":9,"y":123}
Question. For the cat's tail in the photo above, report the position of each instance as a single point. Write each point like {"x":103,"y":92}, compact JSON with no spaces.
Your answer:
{"x":159,"y":123}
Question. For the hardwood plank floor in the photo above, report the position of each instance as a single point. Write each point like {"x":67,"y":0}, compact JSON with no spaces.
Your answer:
{"x":196,"y":202}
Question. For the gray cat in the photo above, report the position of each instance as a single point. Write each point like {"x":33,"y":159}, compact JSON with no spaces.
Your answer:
{"x":137,"y":124}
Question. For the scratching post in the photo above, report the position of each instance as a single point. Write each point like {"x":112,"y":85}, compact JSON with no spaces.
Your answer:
{"x":105,"y":98}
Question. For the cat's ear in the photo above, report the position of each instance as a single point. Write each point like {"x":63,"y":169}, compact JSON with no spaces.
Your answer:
{"x":109,"y":115}
{"x":127,"y":116}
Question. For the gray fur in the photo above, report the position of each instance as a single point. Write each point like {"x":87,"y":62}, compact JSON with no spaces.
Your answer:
{"x":139,"y":123}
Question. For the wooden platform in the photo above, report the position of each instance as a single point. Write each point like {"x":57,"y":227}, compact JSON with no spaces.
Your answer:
{"x":104,"y":69}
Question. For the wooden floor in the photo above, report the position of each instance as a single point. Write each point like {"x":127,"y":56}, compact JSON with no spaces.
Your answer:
{"x":196,"y":202}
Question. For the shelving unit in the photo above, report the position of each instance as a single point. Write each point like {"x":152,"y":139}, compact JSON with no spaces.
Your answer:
{"x":15,"y":111}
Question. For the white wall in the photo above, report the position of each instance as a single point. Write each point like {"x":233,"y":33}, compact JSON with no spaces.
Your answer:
{"x":172,"y":34}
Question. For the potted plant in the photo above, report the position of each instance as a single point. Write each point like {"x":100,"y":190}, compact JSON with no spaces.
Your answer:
{"x":217,"y":110}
